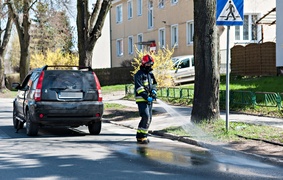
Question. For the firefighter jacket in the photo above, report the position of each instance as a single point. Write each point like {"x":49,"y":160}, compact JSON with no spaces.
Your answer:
{"x":144,"y":84}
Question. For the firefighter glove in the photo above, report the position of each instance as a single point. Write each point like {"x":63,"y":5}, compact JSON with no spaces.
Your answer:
{"x":149,"y":99}
{"x":154,"y":92}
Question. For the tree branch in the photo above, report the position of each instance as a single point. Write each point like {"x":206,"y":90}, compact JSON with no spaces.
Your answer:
{"x":32,"y":5}
{"x":7,"y":33}
{"x":96,"y":31}
{"x":15,"y":17}
{"x":94,"y":13}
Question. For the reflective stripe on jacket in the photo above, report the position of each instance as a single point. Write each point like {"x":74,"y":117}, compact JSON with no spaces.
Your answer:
{"x":144,"y":83}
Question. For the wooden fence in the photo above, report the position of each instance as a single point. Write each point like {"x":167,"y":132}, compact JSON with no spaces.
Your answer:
{"x":254,"y":60}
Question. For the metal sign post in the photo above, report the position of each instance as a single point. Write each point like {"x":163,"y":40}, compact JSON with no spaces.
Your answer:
{"x":229,"y":13}
{"x":227,"y":80}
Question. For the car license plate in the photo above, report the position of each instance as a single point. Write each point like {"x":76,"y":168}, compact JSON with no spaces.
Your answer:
{"x":70,"y":95}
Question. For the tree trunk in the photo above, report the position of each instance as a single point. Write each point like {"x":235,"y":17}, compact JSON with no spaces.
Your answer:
{"x":2,"y":80}
{"x":23,"y":33}
{"x":81,"y":26}
{"x":3,"y":45}
{"x":90,"y":27}
{"x":24,"y":60}
{"x":207,"y":72}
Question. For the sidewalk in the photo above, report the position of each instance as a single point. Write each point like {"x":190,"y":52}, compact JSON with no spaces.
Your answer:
{"x":179,"y":115}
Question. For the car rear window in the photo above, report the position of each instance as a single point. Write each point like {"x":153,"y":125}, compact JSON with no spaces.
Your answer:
{"x":83,"y":80}
{"x":71,"y":85}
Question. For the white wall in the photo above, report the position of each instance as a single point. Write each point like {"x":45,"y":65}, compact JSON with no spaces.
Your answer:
{"x":279,"y":36}
{"x":101,"y":53}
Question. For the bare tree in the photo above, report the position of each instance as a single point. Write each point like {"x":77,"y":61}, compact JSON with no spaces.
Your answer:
{"x":89,"y":27}
{"x":5,"y":34}
{"x":207,"y":69}
{"x":50,"y":30}
{"x":22,"y":27}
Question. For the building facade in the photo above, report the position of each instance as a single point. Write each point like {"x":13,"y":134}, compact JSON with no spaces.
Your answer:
{"x":170,"y":23}
{"x":249,"y":32}
{"x":102,"y":50}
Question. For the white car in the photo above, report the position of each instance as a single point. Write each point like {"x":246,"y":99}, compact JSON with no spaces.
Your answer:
{"x":184,"y":69}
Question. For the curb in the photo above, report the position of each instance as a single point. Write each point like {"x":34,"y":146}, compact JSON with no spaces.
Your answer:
{"x":176,"y":138}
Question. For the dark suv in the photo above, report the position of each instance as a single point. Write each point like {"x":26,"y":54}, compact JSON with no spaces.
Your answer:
{"x":58,"y":96}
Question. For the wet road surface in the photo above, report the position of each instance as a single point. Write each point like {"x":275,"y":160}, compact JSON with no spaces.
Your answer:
{"x":62,"y":153}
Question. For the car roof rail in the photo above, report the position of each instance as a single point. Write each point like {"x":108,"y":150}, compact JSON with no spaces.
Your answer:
{"x":56,"y":67}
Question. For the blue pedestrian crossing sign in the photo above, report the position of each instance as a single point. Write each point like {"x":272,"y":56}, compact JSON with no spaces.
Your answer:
{"x":229,"y":12}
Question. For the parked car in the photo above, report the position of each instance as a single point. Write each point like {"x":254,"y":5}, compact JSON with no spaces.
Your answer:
{"x":58,"y":96}
{"x":184,"y":69}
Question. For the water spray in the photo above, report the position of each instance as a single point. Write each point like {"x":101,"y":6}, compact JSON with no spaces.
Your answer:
{"x":193,"y":130}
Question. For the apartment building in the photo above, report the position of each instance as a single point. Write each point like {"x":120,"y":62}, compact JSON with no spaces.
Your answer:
{"x":169,"y":23}
{"x":249,"y":32}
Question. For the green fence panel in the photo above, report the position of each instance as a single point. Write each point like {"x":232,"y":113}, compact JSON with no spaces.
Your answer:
{"x":242,"y":97}
{"x":186,"y":93}
{"x":174,"y":93}
{"x":162,"y":92}
{"x":238,"y":97}
{"x":265,"y":99}
{"x":268,"y":99}
{"x":222,"y":96}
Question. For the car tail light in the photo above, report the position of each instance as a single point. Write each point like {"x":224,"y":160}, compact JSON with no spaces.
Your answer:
{"x":98,"y":87}
{"x":37,"y":94}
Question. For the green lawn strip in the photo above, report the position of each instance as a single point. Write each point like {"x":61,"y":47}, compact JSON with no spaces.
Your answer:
{"x":112,"y":88}
{"x":5,"y":93}
{"x":236,"y":131}
{"x":113,"y":105}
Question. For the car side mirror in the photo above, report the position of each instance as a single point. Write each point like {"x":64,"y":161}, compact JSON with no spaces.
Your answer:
{"x":16,"y":86}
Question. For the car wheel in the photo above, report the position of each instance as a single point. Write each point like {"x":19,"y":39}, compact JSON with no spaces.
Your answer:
{"x":94,"y":128}
{"x":31,"y":128}
{"x":16,"y":123}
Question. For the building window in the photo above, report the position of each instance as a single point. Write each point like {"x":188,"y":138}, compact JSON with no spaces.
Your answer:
{"x":174,"y":35}
{"x":139,"y":8}
{"x":190,"y":32}
{"x":150,"y":14}
{"x":249,"y":31}
{"x":130,"y":45}
{"x":174,"y":1}
{"x":119,"y":14}
{"x":119,"y":47}
{"x":161,"y":37}
{"x":161,"y":4}
{"x":130,"y":9}
{"x":139,"y":41}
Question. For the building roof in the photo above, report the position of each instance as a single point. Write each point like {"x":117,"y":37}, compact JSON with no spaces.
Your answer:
{"x":269,"y":18}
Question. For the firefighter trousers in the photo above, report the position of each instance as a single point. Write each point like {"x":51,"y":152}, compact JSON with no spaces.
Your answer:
{"x":145,"y":111}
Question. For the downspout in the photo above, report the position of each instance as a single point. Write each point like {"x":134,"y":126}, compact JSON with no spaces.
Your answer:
{"x":110,"y":19}
{"x":262,"y":34}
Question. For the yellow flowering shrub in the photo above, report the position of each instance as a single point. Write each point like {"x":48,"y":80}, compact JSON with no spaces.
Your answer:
{"x":161,"y":68}
{"x":53,"y":58}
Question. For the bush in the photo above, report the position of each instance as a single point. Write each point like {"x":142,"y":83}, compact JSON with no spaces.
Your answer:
{"x":53,"y":58}
{"x":11,"y":78}
{"x":161,"y":68}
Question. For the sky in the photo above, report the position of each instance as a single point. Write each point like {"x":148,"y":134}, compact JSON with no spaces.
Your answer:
{"x":72,"y":13}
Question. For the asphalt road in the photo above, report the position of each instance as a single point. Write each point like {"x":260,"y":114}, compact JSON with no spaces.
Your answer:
{"x":62,"y":153}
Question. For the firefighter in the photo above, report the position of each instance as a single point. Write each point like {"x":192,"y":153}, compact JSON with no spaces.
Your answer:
{"x":145,"y":93}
